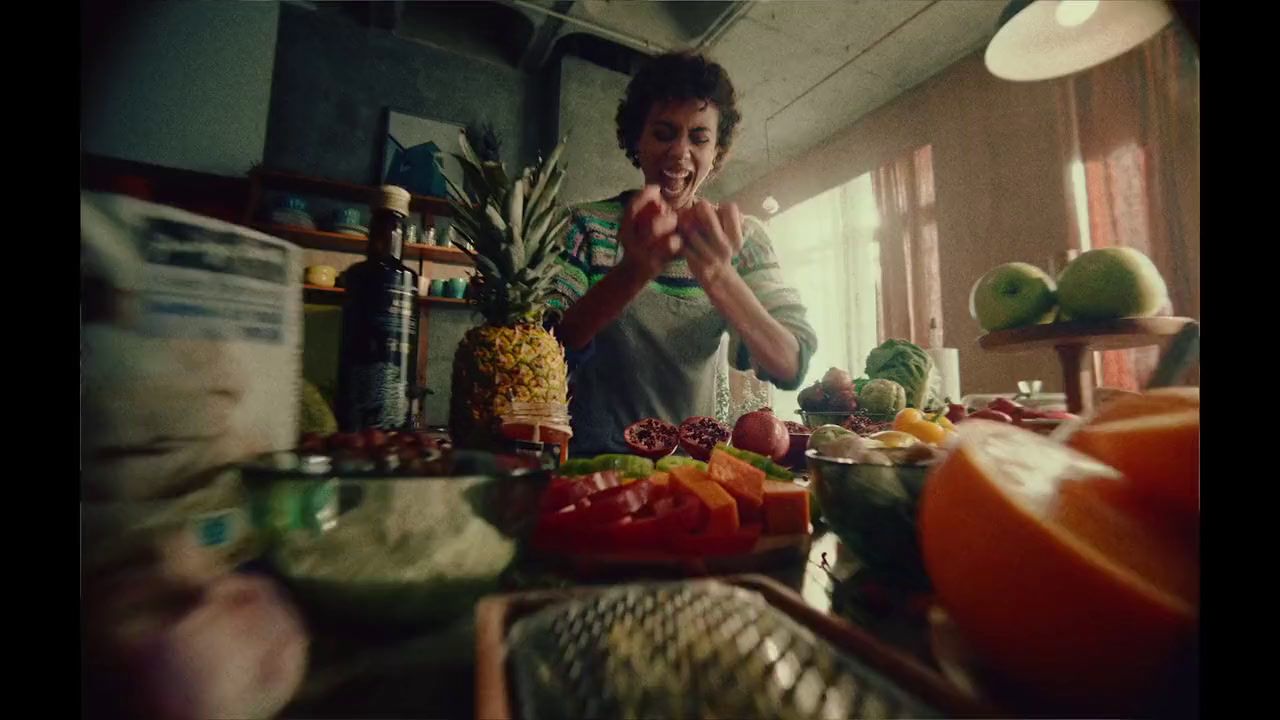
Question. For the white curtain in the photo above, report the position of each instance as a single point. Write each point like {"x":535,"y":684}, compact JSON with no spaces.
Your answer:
{"x":827,"y":248}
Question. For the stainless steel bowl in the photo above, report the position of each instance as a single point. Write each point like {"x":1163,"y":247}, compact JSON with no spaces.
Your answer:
{"x":815,"y":420}
{"x":381,"y":549}
{"x":872,"y":509}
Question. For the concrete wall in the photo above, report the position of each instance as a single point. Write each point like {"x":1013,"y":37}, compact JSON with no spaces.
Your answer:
{"x":1001,"y":192}
{"x":597,"y":167}
{"x":182,"y":84}
{"x":334,"y":80}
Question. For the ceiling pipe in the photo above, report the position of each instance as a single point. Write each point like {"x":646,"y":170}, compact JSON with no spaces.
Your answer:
{"x":725,"y":21}
{"x":596,"y":28}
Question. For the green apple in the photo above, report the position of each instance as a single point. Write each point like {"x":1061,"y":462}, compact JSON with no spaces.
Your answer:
{"x":1109,"y":283}
{"x":1013,"y":295}
{"x":827,"y":434}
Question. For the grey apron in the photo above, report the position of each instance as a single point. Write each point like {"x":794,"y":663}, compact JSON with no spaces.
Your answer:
{"x":658,"y":359}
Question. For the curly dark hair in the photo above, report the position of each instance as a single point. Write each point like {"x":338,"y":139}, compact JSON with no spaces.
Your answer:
{"x":677,"y":76}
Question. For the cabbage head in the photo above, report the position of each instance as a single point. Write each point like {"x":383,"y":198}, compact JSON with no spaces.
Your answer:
{"x":884,"y":398}
{"x":906,"y":364}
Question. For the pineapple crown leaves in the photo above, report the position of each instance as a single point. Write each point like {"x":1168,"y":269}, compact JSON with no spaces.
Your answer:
{"x":513,"y":229}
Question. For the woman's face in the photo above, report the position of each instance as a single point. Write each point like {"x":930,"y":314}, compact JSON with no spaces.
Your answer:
{"x":678,"y":148}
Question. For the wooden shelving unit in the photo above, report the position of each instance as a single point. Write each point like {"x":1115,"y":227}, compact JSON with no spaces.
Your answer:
{"x":424,"y":210}
{"x":324,"y":295}
{"x":261,"y":178}
{"x":342,"y":242}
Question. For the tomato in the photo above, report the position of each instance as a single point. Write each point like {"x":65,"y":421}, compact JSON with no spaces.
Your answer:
{"x":565,"y":491}
{"x":644,"y":530}
{"x":907,"y":417}
{"x":610,"y":505}
{"x":1006,"y":406}
{"x":633,"y":533}
{"x":681,"y":513}
{"x":925,"y":431}
{"x":737,"y":543}
{"x":563,"y":530}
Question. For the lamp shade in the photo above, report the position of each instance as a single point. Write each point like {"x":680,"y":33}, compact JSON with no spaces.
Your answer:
{"x":1044,"y":39}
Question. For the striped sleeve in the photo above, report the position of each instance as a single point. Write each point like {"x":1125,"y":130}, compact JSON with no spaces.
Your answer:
{"x":758,"y":266}
{"x":572,"y":266}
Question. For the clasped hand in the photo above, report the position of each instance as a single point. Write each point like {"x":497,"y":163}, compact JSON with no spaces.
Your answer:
{"x":652,"y":234}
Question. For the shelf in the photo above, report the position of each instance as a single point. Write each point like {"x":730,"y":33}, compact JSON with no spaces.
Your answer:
{"x":324,"y":240}
{"x":437,"y":300}
{"x":1073,"y":341}
{"x":316,"y":294}
{"x":346,"y":191}
{"x":1120,"y":334}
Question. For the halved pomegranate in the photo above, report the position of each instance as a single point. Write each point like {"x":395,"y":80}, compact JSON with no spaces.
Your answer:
{"x":652,"y":438}
{"x":699,"y":435}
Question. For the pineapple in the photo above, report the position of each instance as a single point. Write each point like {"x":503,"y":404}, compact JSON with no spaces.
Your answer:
{"x":513,"y":231}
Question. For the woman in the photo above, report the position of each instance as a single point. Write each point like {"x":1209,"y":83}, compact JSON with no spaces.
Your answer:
{"x":651,"y":280}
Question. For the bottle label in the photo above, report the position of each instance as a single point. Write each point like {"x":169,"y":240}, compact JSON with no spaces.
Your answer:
{"x":380,"y":357}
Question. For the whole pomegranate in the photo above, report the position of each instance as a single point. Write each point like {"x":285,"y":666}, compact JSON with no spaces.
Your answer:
{"x":761,"y":432}
{"x":699,"y":435}
{"x":835,"y":380}
{"x":843,"y":400}
{"x":813,"y":398}
{"x":652,"y":438}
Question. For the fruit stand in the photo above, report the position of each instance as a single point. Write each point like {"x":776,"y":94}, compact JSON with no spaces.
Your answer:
{"x":1074,"y":341}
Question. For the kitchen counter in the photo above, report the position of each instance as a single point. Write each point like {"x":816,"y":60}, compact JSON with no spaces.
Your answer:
{"x":369,"y":672}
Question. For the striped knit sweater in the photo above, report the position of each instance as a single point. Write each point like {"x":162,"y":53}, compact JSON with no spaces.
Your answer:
{"x":592,"y":249}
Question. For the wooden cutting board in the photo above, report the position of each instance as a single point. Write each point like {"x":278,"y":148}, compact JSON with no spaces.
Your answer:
{"x":771,"y":551}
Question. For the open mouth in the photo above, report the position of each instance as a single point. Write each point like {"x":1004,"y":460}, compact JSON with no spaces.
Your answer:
{"x":675,"y":182}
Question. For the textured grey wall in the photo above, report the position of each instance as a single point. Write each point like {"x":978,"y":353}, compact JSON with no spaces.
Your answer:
{"x":184,"y":85}
{"x":597,"y":167}
{"x":334,"y":81}
{"x":446,"y":325}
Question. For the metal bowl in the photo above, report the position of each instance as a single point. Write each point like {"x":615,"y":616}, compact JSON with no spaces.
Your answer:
{"x":381,"y":549}
{"x":815,"y":420}
{"x":872,"y":509}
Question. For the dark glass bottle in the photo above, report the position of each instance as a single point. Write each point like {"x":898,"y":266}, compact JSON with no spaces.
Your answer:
{"x":378,"y":358}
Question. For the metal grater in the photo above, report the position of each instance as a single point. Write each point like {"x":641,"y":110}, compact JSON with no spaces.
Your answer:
{"x":701,"y":649}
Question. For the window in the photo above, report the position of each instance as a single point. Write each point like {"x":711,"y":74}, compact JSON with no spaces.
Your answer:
{"x":1135,"y":175}
{"x":828,"y":251}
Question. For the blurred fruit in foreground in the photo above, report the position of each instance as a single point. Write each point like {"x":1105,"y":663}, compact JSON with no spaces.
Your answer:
{"x":1158,"y":453}
{"x":1151,"y":402}
{"x":1055,"y":573}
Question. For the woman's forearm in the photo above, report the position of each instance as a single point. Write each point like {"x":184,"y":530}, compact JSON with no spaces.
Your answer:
{"x":774,"y":347}
{"x":602,"y":304}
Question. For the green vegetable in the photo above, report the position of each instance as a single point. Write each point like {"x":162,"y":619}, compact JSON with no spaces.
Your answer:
{"x":673,"y":461}
{"x":827,"y":434}
{"x":770,"y":468}
{"x":882,"y":398}
{"x":860,"y":383}
{"x":314,"y":415}
{"x":626,"y":465}
{"x":577,"y":466}
{"x":907,"y":365}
